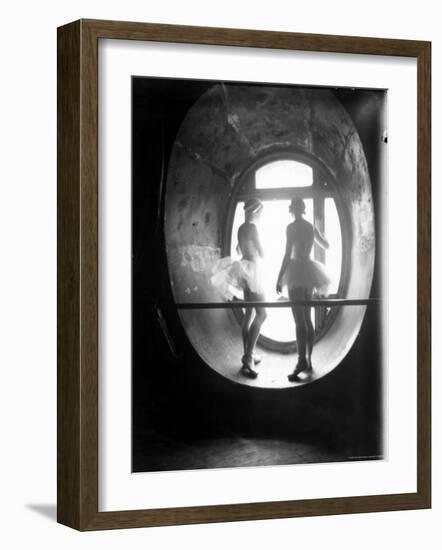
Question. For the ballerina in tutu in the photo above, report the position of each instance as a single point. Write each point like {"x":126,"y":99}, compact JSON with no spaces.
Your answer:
{"x":244,"y":279}
{"x":302,"y":276}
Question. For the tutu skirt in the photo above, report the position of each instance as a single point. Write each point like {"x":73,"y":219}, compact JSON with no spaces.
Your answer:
{"x":232,"y":277}
{"x":307,"y":273}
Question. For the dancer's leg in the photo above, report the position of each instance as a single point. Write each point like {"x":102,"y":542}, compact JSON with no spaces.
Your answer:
{"x":252,"y":335}
{"x":255,"y":329}
{"x":245,"y":327}
{"x":300,"y":322}
{"x":301,"y":333}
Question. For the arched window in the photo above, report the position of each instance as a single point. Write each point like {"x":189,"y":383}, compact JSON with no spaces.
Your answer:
{"x":275,"y":181}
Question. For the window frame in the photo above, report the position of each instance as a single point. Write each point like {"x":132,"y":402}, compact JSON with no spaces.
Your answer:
{"x":323,"y":186}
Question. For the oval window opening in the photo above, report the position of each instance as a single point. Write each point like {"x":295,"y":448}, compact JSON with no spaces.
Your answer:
{"x":209,"y":178}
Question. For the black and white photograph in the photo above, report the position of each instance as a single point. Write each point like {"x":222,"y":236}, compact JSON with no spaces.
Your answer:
{"x":220,"y":231}
{"x":258,"y":281}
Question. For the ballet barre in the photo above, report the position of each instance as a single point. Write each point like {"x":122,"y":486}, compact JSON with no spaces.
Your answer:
{"x":239,"y":304}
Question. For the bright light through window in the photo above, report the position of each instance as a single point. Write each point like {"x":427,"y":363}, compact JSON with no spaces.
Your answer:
{"x":333,"y":256}
{"x":283,"y":174}
{"x":279,"y":325}
{"x":272,"y":226}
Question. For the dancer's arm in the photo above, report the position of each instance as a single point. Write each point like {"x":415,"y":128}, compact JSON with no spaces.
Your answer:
{"x":285,"y":260}
{"x":320,"y":238}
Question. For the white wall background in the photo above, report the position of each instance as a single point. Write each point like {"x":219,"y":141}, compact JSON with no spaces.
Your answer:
{"x":28,"y":272}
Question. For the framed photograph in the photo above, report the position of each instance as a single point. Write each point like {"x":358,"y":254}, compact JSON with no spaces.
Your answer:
{"x":243,"y":275}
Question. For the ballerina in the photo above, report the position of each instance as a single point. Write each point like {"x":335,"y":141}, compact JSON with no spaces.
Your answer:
{"x":302,"y":276}
{"x":243,"y":279}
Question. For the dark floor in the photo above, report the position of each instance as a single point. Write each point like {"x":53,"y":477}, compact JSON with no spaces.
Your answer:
{"x":159,"y":453}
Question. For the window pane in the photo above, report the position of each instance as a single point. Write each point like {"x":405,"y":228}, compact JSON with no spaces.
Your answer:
{"x":283,"y":173}
{"x":272,"y":225}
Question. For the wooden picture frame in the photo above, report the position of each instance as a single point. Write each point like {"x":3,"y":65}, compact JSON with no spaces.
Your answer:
{"x":78,"y":274}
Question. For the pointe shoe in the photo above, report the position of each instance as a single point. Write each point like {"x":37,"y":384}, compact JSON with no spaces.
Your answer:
{"x":246,"y":369}
{"x":302,"y":366}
